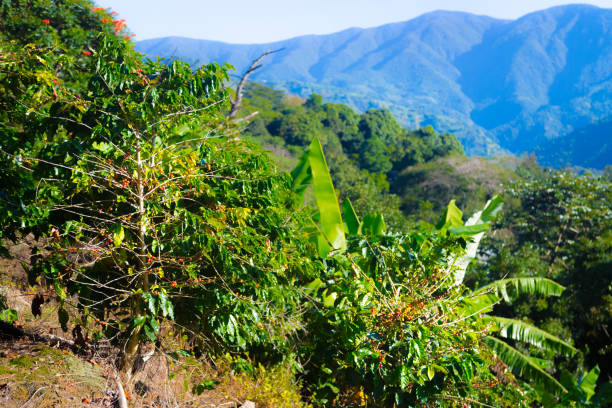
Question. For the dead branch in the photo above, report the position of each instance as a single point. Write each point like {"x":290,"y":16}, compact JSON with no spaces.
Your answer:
{"x":10,"y":331}
{"x":247,"y":117}
{"x":256,"y":64}
{"x":122,"y":401}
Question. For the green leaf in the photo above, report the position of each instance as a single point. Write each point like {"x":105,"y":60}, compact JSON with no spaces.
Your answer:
{"x":361,"y":354}
{"x":8,"y":315}
{"x":430,"y":372}
{"x":102,"y":147}
{"x":478,"y":304}
{"x":149,"y":332}
{"x":138,"y":321}
{"x":373,"y":225}
{"x":166,"y":306}
{"x":313,"y":286}
{"x":331,"y":222}
{"x":365,"y":300}
{"x":529,"y":286}
{"x":521,"y":365}
{"x":332,"y":387}
{"x":62,"y":316}
{"x":350,"y":217}
{"x":440,"y":369}
{"x":118,"y":235}
{"x":232,"y":325}
{"x":452,"y":217}
{"x":59,"y":290}
{"x":154,"y":325}
{"x":403,"y":376}
{"x":588,"y":382}
{"x":475,"y":227}
{"x":204,"y":385}
{"x":151,"y":303}
{"x":301,"y":176}
{"x":526,"y":333}
{"x":492,"y":208}
{"x":468,"y":230}
{"x":329,"y":300}
{"x":568,"y":380}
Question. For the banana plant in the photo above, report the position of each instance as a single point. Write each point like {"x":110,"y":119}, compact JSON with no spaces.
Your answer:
{"x":482,"y":300}
{"x":331,"y":224}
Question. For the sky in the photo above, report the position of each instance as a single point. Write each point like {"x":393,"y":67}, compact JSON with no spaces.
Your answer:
{"x":260,"y":21}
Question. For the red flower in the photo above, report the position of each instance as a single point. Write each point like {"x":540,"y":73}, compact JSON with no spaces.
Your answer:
{"x":173,"y":284}
{"x":85,"y":52}
{"x":46,"y":21}
{"x":127,"y":37}
{"x":119,"y":25}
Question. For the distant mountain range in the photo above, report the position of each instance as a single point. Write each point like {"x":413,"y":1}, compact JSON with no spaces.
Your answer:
{"x":539,"y":83}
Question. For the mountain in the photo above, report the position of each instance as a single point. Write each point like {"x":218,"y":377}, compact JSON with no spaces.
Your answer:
{"x":500,"y":85}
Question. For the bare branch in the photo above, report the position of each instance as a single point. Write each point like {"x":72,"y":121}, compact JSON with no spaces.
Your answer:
{"x":256,"y":64}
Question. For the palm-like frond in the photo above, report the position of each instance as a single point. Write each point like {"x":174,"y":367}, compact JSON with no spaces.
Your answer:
{"x":529,"y":285}
{"x":522,"y":365}
{"x":477,"y":304}
{"x":520,"y":331}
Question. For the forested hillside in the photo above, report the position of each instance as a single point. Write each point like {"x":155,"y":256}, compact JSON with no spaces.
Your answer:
{"x":378,"y":164}
{"x":500,"y":86}
{"x":556,"y":224}
{"x":365,"y":152}
{"x":157,"y":250}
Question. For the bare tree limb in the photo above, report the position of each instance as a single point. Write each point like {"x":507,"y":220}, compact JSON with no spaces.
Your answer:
{"x":122,"y":401}
{"x":247,"y":117}
{"x":256,"y":64}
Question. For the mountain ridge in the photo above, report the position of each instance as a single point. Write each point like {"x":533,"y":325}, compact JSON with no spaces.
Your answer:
{"x":500,"y":85}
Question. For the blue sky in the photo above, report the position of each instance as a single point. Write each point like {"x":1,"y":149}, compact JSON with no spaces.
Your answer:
{"x":257,"y":21}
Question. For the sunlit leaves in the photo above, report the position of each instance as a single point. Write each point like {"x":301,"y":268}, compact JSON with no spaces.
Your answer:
{"x":150,"y":204}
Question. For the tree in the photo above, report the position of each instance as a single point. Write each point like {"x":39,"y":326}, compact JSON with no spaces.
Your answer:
{"x":149,"y":213}
{"x":314,"y":101}
{"x":35,"y":36}
{"x":296,"y":127}
{"x":374,"y":156}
